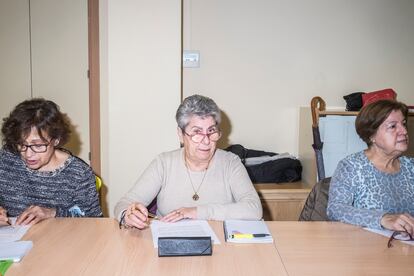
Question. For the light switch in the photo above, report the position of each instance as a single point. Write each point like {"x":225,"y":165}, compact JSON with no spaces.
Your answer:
{"x":191,"y":59}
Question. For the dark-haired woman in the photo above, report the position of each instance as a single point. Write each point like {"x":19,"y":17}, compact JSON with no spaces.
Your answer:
{"x":375,"y":187}
{"x":38,"y":179}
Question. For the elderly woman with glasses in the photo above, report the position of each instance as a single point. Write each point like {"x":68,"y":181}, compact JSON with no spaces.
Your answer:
{"x":197,"y":181}
{"x":375,"y":187}
{"x":39,"y":179}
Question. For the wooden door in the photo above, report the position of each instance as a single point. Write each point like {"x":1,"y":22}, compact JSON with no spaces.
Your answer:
{"x":59,"y":50}
{"x":15,"y":84}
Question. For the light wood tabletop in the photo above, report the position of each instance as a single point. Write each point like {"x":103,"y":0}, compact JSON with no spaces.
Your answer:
{"x":333,"y":248}
{"x":98,"y":247}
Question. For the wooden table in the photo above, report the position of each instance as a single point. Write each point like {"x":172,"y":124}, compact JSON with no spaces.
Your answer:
{"x":333,"y":248}
{"x":98,"y":247}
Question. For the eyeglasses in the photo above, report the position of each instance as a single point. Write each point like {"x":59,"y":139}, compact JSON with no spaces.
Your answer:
{"x":198,"y":137}
{"x":38,"y":148}
{"x":401,"y":236}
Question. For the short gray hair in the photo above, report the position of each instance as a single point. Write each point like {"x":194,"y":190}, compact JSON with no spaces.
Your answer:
{"x":196,"y":105}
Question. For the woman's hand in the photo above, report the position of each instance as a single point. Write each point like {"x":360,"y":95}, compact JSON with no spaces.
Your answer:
{"x":136,"y":215}
{"x":4,"y":220}
{"x":35,"y":214}
{"x":398,"y":222}
{"x":181,"y":213}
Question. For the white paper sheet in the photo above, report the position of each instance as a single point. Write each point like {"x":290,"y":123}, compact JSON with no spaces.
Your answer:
{"x":14,"y":250}
{"x":387,"y":233}
{"x":12,"y":233}
{"x":184,"y":228}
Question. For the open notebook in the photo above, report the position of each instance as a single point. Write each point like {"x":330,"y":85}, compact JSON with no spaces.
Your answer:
{"x":246,"y":231}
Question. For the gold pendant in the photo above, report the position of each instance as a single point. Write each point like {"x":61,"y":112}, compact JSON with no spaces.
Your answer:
{"x":195,"y":197}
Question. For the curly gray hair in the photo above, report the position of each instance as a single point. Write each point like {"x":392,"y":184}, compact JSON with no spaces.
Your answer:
{"x":196,"y":105}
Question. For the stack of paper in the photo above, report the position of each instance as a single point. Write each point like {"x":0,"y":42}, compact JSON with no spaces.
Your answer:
{"x":10,"y":246}
{"x":246,"y":231}
{"x":14,"y":251}
{"x":10,"y":233}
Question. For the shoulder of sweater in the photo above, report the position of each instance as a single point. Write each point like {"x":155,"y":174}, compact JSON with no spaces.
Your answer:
{"x":9,"y":157}
{"x":7,"y":154}
{"x":357,"y":157}
{"x":407,"y":161}
{"x":77,"y":166}
{"x":173,"y":154}
{"x":227,"y":156}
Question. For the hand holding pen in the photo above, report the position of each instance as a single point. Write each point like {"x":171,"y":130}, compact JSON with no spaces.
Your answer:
{"x":4,"y":220}
{"x":137,"y":215}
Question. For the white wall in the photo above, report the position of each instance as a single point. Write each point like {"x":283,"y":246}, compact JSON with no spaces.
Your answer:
{"x":140,"y":87}
{"x":261,"y":60}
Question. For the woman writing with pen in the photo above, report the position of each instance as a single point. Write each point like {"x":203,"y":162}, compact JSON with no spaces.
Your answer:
{"x":38,"y":178}
{"x":196,"y":181}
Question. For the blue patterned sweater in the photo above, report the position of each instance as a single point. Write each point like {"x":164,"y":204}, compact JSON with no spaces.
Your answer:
{"x":70,"y":188}
{"x":360,"y":194}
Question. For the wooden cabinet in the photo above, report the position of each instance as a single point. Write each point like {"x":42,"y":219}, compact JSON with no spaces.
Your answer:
{"x":283,"y":201}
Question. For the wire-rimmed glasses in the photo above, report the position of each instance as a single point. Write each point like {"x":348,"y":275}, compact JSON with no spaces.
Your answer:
{"x":198,"y":137}
{"x":38,"y":148}
{"x":401,"y":236}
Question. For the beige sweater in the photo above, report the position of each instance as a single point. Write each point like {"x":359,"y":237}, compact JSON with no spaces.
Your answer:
{"x":226,"y":192}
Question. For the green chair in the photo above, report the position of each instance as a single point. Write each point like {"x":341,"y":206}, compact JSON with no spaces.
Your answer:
{"x":98,"y":182}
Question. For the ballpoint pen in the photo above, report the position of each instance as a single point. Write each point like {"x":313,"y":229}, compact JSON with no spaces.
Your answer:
{"x":129,"y":211}
{"x":150,"y":215}
{"x":153,"y":216}
{"x":8,"y":222}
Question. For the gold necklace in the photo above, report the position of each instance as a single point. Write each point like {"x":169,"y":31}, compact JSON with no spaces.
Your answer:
{"x":196,"y":196}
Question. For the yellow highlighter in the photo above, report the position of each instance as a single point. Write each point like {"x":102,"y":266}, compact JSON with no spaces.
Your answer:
{"x":248,"y":236}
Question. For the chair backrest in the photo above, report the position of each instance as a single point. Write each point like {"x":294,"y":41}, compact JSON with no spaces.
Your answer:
{"x":316,"y":203}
